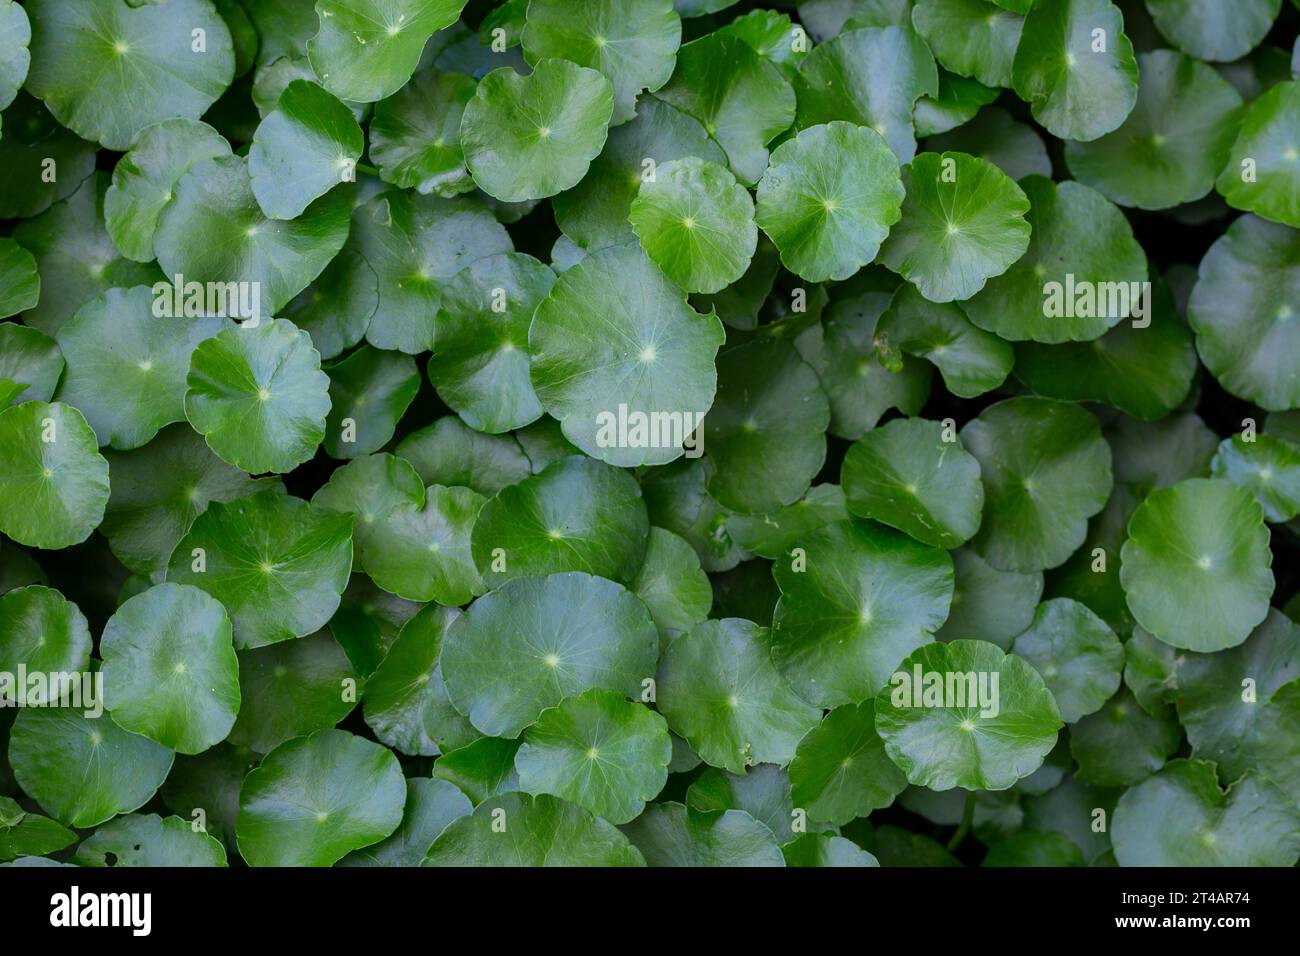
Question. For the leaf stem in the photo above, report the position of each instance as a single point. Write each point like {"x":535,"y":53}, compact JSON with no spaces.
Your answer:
{"x":368,"y":170}
{"x":967,"y":815}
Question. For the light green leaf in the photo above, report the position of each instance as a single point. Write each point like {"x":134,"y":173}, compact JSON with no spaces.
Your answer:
{"x":149,"y":840}
{"x":719,"y":690}
{"x":670,"y":834}
{"x":308,"y":145}
{"x":450,"y":453}
{"x":44,"y":632}
{"x":53,"y":480}
{"x":423,"y":553}
{"x":335,"y":309}
{"x":1079,"y":83}
{"x":989,"y":604}
{"x":534,"y":641}
{"x":1196,"y":565}
{"x":841,"y":771}
{"x":828,"y":199}
{"x":431,"y":806}
{"x":1260,"y":175}
{"x":1214,"y":29}
{"x":970,"y":37}
{"x":696,"y":223}
{"x":1046,"y":470}
{"x":632,"y":387}
{"x":1267,"y":467}
{"x":1012,"y":146}
{"x":529,"y":137}
{"x":415,"y":134}
{"x":1077,"y":654}
{"x":860,"y":599}
{"x":369,"y":390}
{"x":253,"y":552}
{"x":170,"y":669}
{"x":481,"y":770}
{"x":985,"y":743}
{"x":315,"y":799}
{"x":108,"y":70}
{"x":258,"y":396}
{"x":368,"y":49}
{"x":30,"y":362}
{"x":145,"y":178}
{"x":774,"y":533}
{"x":906,"y":475}
{"x":598,"y":750}
{"x":633,"y":42}
{"x":672,"y":584}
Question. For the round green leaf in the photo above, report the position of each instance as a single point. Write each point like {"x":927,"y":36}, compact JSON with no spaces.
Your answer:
{"x":253,"y":553}
{"x":765,"y":432}
{"x":20,"y":283}
{"x":844,"y":351}
{"x":672,"y":584}
{"x":1046,"y":470}
{"x":621,"y":359}
{"x":1260,"y":175}
{"x":594,"y":212}
{"x":854,"y":604}
{"x":828,"y":198}
{"x":1241,"y":311}
{"x":157,"y":491}
{"x":145,"y":178}
{"x":962,"y":222}
{"x":481,"y":770}
{"x":170,"y":668}
{"x":31,"y":138}
{"x":529,"y":137}
{"x":292,"y":689}
{"x":577,"y":515}
{"x":1077,"y":654}
{"x":970,"y":360}
{"x":450,"y":453}
{"x":740,"y":98}
{"x":1079,"y":83}
{"x":841,"y":771}
{"x":315,"y":799}
{"x":871,"y":77}
{"x":958,"y":100}
{"x":406,"y":702}
{"x":598,"y":750}
{"x":1196,"y":565}
{"x":534,"y":641}
{"x":149,"y":840}
{"x":906,"y":475}
{"x":942,"y":738}
{"x":1144,"y":367}
{"x":415,"y":134}
{"x":431,"y":806}
{"x":23,"y":834}
{"x":1180,"y":817}
{"x":83,"y":770}
{"x":214,"y":231}
{"x":763,"y":792}
{"x":1214,"y":29}
{"x":774,"y":533}
{"x":258,"y":396}
{"x":30,"y":363}
{"x":422,"y":553}
{"x":670,"y":834}
{"x":676,"y":499}
{"x":368,"y":49}
{"x":369,"y":390}
{"x":1267,"y":467}
{"x":44,"y":632}
{"x":108,"y":70}
{"x":633,"y":42}
{"x":970,"y":37}
{"x":719,"y":690}
{"x":480,"y":366}
{"x":1174,"y":143}
{"x":696,"y":223}
{"x":538,"y":830}
{"x":308,"y":145}
{"x":371,"y":488}
{"x":414,"y":244}
{"x":53,"y":480}
{"x":126,"y":366}
{"x":988,"y":604}
{"x":1081,"y":275}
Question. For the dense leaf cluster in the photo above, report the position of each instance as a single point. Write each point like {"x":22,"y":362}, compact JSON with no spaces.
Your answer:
{"x":649,"y":432}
